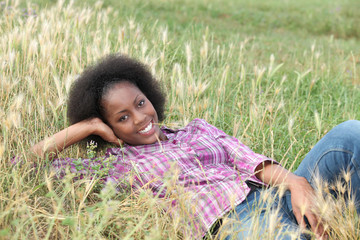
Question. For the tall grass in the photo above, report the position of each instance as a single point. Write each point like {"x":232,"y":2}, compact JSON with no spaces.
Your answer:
{"x":278,"y":102}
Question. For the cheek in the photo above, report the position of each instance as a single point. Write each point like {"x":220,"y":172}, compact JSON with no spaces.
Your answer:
{"x":122,"y":130}
{"x":118,"y":131}
{"x":151,"y":110}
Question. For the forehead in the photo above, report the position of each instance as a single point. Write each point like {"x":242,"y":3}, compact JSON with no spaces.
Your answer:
{"x":121,"y":92}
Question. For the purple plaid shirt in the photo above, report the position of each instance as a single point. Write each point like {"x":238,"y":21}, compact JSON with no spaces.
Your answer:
{"x":210,"y":166}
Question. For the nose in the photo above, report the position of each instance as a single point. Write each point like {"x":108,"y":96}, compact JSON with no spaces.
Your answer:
{"x":139,"y":118}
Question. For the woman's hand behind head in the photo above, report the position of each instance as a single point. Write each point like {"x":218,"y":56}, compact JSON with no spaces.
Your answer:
{"x":104,"y":131}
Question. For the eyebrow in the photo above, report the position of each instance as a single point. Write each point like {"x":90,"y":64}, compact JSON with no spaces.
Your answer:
{"x":135,"y":101}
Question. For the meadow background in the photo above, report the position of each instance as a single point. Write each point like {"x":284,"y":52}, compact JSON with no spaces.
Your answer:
{"x":277,"y":74}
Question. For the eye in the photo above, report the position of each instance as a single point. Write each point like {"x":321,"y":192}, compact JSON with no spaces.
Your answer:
{"x":123,"y":118}
{"x":141,"y":103}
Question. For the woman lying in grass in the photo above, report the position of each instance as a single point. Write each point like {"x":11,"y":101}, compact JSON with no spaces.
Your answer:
{"x":118,"y":100}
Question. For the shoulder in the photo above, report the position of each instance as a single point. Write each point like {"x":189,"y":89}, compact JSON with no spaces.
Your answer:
{"x":196,"y":126}
{"x":195,"y":123}
{"x":201,"y":125}
{"x":198,"y":121}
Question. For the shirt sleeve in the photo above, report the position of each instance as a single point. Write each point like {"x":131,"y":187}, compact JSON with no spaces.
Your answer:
{"x":240,"y":155}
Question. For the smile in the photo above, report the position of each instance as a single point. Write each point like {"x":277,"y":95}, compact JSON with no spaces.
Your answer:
{"x":147,"y":129}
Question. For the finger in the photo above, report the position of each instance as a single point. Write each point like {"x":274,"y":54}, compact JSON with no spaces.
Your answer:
{"x":119,"y":142}
{"x":116,"y":141}
{"x":315,"y":225}
{"x":312,"y":221}
{"x":325,"y":236}
{"x":299,"y":218}
{"x":321,"y":231}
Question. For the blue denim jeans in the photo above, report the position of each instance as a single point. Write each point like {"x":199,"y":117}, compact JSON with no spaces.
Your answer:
{"x":337,"y":152}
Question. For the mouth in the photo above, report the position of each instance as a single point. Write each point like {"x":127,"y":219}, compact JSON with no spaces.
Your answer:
{"x":147,"y":129}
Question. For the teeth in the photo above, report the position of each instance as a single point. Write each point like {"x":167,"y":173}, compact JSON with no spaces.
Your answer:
{"x":148,"y":128}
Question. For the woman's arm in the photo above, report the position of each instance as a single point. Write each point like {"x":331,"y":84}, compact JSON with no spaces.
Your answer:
{"x":302,"y":193}
{"x":73,"y":134}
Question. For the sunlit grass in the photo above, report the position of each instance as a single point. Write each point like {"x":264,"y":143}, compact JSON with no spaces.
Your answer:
{"x":279,"y":105}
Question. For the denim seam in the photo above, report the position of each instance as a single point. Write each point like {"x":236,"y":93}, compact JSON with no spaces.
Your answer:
{"x":328,"y":151}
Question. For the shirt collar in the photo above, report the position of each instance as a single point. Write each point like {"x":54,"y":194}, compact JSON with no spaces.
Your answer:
{"x":126,"y":148}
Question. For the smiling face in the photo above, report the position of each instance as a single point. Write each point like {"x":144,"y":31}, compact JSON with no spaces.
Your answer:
{"x":131,"y":115}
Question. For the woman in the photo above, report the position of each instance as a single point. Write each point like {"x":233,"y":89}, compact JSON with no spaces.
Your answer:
{"x":118,"y":100}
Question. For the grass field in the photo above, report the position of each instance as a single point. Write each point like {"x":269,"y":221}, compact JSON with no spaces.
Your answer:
{"x":276,"y":74}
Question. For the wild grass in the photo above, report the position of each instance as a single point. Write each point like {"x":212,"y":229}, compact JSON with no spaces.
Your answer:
{"x":277,"y":86}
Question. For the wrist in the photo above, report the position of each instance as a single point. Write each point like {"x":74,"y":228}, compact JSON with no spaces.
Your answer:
{"x":93,"y":126}
{"x":294,"y":181}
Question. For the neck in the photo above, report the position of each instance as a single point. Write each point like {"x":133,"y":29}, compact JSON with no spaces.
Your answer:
{"x":162,"y":136}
